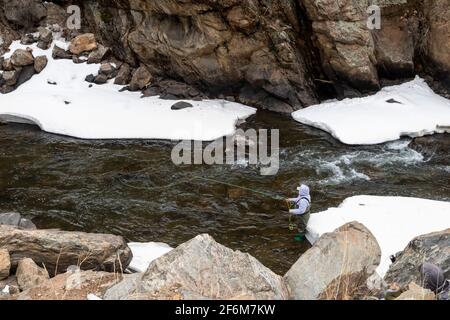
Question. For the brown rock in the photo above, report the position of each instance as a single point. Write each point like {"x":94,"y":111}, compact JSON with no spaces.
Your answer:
{"x":7,"y":65}
{"x":22,"y":58}
{"x":29,"y":275}
{"x":72,"y":286}
{"x":124,"y":75}
{"x":416,"y":292}
{"x":59,"y":53}
{"x":5,"y":264}
{"x":83,"y":43}
{"x":140,"y":79}
{"x":11,"y":77}
{"x":98,"y":55}
{"x":40,"y":63}
{"x":58,"y":250}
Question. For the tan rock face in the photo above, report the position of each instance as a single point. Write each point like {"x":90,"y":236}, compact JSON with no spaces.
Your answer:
{"x":341,"y":260}
{"x":58,"y":250}
{"x":29,"y":274}
{"x":83,"y":43}
{"x":5,"y":264}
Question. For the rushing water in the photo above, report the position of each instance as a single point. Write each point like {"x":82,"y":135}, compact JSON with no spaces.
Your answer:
{"x":131,"y":188}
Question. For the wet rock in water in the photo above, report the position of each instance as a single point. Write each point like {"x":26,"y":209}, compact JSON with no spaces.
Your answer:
{"x":181,"y":105}
{"x":434,"y":148}
{"x":123,"y":75}
{"x":76,"y":285}
{"x":140,"y":79}
{"x":40,"y":63}
{"x":60,"y":249}
{"x":83,"y":43}
{"x":60,"y":53}
{"x":340,"y":262}
{"x":5,"y":264}
{"x":433,"y":248}
{"x":90,"y":78}
{"x":22,"y":58}
{"x":101,"y":79}
{"x":416,"y":292}
{"x":29,"y":274}
{"x":98,"y":55}
{"x":191,"y":270}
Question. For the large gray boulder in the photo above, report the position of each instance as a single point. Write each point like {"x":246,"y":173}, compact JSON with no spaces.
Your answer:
{"x":57,"y":250}
{"x":204,"y":269}
{"x":15,"y":219}
{"x":337,"y":266}
{"x":433,"y":248}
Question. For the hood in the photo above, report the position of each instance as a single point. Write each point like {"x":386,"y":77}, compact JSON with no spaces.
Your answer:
{"x":304,"y":192}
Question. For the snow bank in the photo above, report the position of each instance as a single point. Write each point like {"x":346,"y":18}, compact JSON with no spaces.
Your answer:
{"x":413,"y":110}
{"x":145,"y":253}
{"x":394,"y":221}
{"x":101,"y":112}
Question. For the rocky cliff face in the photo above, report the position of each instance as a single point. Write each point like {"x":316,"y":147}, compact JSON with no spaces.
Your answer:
{"x":276,"y":54}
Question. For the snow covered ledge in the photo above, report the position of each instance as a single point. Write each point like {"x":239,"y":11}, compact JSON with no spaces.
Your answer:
{"x":70,"y":107}
{"x":410,"y":109}
{"x":394,"y":221}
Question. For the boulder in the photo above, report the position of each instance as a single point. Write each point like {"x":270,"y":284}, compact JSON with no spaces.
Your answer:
{"x":130,"y":284}
{"x":5,"y":264}
{"x":25,"y":74}
{"x":140,"y":79}
{"x":10,"y":77}
{"x":59,"y":53}
{"x":56,"y":250}
{"x":202,"y":268}
{"x":15,"y":219}
{"x":7,"y":65}
{"x":337,"y":266}
{"x":108,"y":70}
{"x":75,"y":285}
{"x":27,"y":39}
{"x":29,"y":275}
{"x":22,"y":58}
{"x":98,"y":55}
{"x":123,"y":75}
{"x":416,"y":292}
{"x":83,"y":43}
{"x":433,"y":248}
{"x":101,"y":79}
{"x":24,"y":13}
{"x":90,"y":78}
{"x":40,"y":63}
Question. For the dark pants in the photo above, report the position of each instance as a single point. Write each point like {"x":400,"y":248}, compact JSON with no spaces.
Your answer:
{"x":303,"y":223}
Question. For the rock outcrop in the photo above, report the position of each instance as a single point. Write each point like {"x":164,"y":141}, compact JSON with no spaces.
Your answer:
{"x":337,"y":266}
{"x":202,"y":268}
{"x":433,"y":248}
{"x":57,"y":250}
